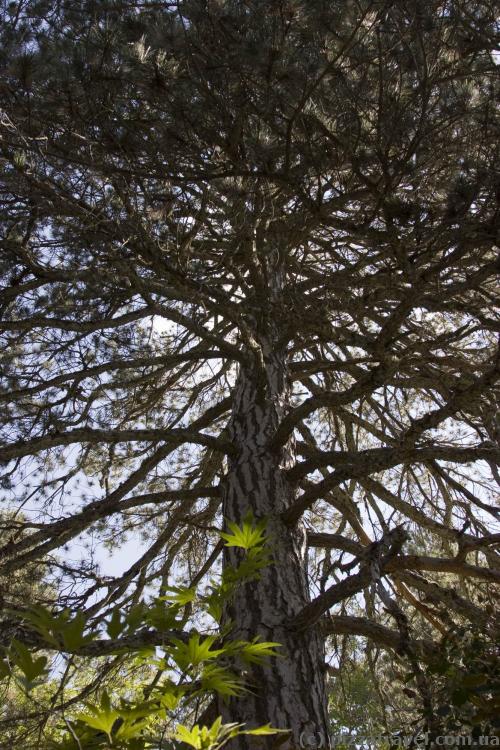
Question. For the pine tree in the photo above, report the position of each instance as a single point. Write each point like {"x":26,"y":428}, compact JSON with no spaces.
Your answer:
{"x":249,"y":266}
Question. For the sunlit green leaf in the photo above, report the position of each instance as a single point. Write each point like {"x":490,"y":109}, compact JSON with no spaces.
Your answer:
{"x":195,"y":651}
{"x":247,"y":536}
{"x":100,"y":717}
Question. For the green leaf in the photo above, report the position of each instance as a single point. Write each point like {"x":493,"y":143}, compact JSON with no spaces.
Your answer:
{"x":114,"y":625}
{"x":31,"y":667}
{"x":214,"y":601}
{"x":214,"y":607}
{"x":247,"y":536}
{"x":135,"y":616}
{"x":169,"y":694}
{"x":57,"y":629}
{"x":264,"y":730}
{"x":73,"y":633}
{"x":130,"y":729}
{"x":256,"y":559}
{"x":100,"y":717}
{"x":194,"y":652}
{"x":207,"y":738}
{"x":41,"y":621}
{"x":258,"y":651}
{"x":189,"y":736}
{"x":19,"y":159}
{"x":210,"y":738}
{"x":221,"y":680}
{"x":170,"y":700}
{"x":162,"y":616}
{"x":181,"y":595}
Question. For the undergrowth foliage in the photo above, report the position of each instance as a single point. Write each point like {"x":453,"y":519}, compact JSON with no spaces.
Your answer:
{"x":189,"y":666}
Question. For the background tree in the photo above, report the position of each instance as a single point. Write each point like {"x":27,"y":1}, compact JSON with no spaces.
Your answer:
{"x":250,"y":265}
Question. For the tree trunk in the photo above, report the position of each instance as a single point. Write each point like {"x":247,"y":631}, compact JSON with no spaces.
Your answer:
{"x":288,"y":692}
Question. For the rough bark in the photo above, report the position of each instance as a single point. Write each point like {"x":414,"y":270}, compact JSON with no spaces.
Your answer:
{"x":288,"y":692}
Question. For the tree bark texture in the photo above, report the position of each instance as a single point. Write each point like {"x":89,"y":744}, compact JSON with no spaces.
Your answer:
{"x":289,"y":691}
